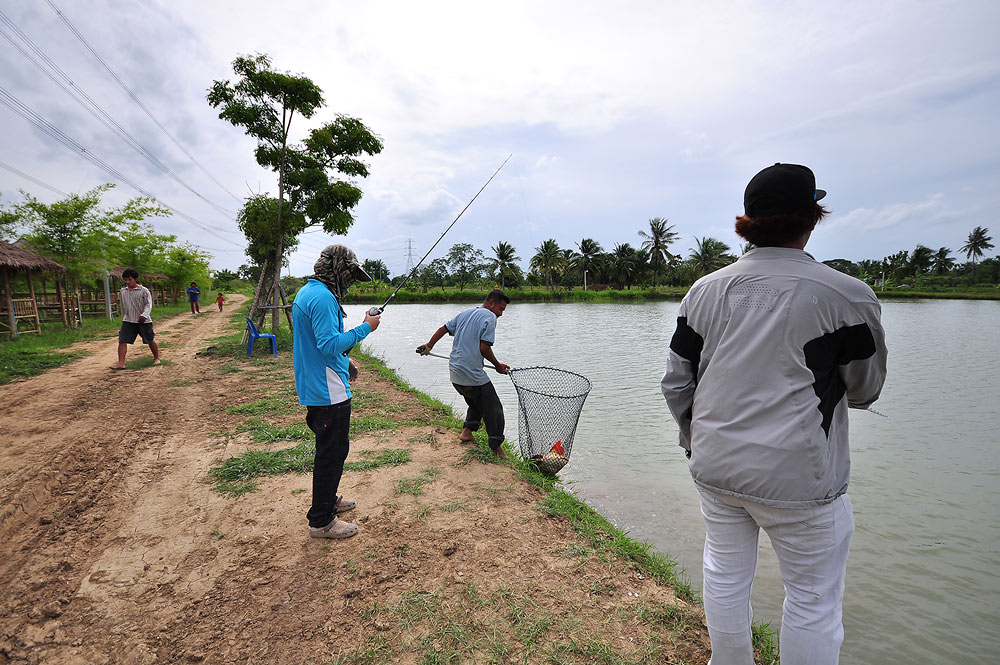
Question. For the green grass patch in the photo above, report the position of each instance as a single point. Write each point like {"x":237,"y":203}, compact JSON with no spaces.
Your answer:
{"x":415,"y":485}
{"x":263,"y":407}
{"x":180,"y":383}
{"x":371,"y":459}
{"x":237,"y":475}
{"x":605,"y":537}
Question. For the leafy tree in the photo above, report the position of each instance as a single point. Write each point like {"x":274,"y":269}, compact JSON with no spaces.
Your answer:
{"x":377,"y":269}
{"x":185,"y":264}
{"x":10,"y":221}
{"x":78,"y":233}
{"x":465,"y":262}
{"x":921,"y":260}
{"x":504,"y":263}
{"x":942,"y":262}
{"x":977,"y":244}
{"x":656,"y":242}
{"x":264,"y":102}
{"x":434,"y":273}
{"x":843,"y":265}
{"x":548,"y":260}
{"x":258,"y":219}
{"x":139,"y":246}
{"x":709,"y":254}
{"x":222,"y":280}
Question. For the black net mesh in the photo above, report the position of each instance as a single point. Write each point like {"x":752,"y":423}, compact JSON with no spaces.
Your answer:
{"x":549,"y":402}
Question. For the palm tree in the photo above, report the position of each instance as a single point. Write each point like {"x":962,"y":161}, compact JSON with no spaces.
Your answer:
{"x":942,"y":262}
{"x":589,"y":250}
{"x":504,"y":262}
{"x":709,"y":255}
{"x":977,"y":244}
{"x":622,"y":264}
{"x":920,"y":260}
{"x":548,"y":259}
{"x":660,"y":237}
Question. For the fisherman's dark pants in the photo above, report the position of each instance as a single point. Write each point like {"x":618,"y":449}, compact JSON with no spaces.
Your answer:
{"x":484,"y":406}
{"x":331,"y":424}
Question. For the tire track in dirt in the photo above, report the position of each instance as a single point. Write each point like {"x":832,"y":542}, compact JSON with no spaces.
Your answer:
{"x":82,"y":445}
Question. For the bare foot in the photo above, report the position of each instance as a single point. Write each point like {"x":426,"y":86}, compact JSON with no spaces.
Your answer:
{"x":501,"y":453}
{"x":156,"y":361}
{"x":117,"y":367}
{"x":466,"y":436}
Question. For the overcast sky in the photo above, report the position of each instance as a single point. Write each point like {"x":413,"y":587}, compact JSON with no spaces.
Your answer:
{"x":614,"y":113}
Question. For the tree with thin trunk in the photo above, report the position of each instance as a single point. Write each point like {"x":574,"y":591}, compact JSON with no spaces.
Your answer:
{"x":264,"y":102}
{"x":660,"y":237}
{"x":504,"y":262}
{"x":977,"y":244}
{"x":548,"y":260}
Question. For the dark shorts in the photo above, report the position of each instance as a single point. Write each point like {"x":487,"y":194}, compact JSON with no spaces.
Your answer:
{"x":129,"y":331}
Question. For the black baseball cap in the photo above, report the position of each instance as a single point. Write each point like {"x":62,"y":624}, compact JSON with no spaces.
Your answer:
{"x":781,"y":189}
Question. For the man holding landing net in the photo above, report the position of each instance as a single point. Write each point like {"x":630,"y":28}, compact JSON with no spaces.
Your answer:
{"x":474,"y":331}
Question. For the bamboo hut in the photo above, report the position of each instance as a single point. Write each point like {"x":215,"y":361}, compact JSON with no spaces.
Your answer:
{"x":19,"y":314}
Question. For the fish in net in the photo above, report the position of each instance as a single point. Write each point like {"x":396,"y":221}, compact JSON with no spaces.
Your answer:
{"x":549,"y":402}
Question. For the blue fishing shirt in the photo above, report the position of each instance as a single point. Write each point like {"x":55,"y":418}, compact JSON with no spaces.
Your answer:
{"x":318,"y":345}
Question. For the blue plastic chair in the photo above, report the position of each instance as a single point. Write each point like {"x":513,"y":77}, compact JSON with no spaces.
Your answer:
{"x":255,"y":334}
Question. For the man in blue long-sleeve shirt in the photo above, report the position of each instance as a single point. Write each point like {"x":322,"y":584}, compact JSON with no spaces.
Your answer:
{"x":322,"y":380}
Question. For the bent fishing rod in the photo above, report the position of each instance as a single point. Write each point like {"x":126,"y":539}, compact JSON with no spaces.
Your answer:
{"x":375,"y":311}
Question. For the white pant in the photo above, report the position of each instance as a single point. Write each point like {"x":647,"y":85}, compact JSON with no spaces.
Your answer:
{"x":812,"y":546}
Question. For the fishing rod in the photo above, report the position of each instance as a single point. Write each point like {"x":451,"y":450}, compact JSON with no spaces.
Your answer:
{"x":375,"y":311}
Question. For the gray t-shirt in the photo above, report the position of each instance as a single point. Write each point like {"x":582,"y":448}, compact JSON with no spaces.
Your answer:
{"x":469,"y":329}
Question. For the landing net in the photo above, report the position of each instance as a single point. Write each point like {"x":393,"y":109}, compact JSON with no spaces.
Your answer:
{"x":549,"y":402}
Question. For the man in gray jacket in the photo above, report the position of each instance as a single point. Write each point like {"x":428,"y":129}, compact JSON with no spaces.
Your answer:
{"x":768,"y":355}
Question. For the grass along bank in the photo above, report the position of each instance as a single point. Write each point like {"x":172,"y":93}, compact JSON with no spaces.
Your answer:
{"x":550,"y":581}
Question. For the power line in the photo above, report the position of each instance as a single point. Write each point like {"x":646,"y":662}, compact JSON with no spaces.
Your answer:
{"x":135,"y":99}
{"x":92,"y":107}
{"x":56,"y":134}
{"x":24,"y":175}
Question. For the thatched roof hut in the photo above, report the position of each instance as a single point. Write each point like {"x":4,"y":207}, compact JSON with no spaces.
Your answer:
{"x":19,"y":259}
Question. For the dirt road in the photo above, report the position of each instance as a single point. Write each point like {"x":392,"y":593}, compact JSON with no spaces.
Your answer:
{"x":115,"y":549}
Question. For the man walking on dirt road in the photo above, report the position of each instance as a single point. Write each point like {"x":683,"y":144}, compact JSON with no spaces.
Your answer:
{"x":322,"y":380}
{"x":134,"y":305}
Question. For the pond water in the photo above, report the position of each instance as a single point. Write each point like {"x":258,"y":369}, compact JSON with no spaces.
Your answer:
{"x":923,"y":581}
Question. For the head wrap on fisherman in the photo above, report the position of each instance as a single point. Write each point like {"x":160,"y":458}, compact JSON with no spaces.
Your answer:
{"x":338,"y":268}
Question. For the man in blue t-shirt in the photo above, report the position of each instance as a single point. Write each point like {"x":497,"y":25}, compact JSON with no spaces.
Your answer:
{"x":474,"y":331}
{"x":322,"y":380}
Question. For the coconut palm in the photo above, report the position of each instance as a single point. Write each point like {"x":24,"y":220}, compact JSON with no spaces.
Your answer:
{"x":655,"y":242}
{"x":622,"y":264}
{"x":504,"y":262}
{"x":548,"y":259}
{"x":942,"y":262}
{"x":977,"y":244}
{"x":921,"y":260}
{"x":709,"y":254}
{"x":586,"y":259}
